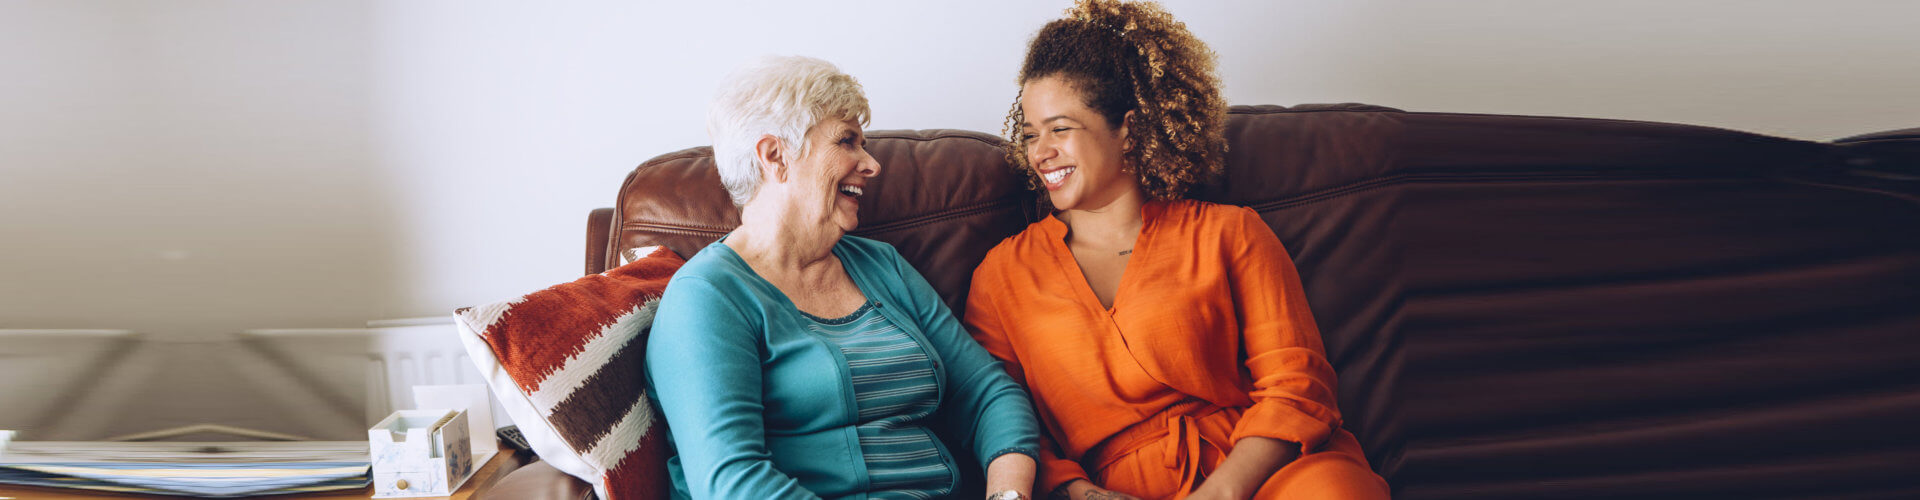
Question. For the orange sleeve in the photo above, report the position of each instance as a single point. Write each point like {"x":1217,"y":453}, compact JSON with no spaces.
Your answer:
{"x":984,"y":322}
{"x":1055,"y":470}
{"x":1293,"y":384}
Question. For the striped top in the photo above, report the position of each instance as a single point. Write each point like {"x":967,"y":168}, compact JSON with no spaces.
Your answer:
{"x":792,"y":428}
{"x":894,"y":388}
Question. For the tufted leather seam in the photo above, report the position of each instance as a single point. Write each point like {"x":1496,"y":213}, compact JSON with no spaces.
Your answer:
{"x":671,"y":229}
{"x":1284,"y":111}
{"x":696,"y":227}
{"x":1411,"y":178}
{"x":968,"y":135}
{"x":942,"y":216}
{"x":1608,"y":120}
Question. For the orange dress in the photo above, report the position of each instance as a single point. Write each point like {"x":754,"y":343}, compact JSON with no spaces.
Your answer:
{"x":1209,"y":340}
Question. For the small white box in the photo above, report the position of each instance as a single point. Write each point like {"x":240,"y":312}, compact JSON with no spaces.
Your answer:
{"x":420,"y":453}
{"x":479,"y":405}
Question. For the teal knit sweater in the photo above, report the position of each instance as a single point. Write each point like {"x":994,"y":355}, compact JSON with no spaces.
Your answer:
{"x":758,"y":407}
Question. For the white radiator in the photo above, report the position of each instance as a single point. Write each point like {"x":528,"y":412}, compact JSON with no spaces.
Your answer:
{"x":46,"y":375}
{"x":370,"y":371}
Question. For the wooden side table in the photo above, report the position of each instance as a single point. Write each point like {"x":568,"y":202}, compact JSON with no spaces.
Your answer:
{"x":502,"y":463}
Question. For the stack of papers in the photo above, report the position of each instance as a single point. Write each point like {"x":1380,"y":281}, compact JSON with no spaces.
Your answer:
{"x":212,"y":470}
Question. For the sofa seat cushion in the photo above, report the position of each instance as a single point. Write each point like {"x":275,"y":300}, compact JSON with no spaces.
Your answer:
{"x":540,"y":481}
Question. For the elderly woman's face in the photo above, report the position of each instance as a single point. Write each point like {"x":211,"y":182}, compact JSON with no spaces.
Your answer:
{"x":835,"y":171}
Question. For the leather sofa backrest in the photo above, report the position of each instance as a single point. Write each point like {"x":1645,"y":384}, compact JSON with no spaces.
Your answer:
{"x":943,"y":198}
{"x":1518,"y":307}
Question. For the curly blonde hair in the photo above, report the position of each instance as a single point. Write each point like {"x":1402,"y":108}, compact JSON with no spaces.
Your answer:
{"x":1133,"y":56}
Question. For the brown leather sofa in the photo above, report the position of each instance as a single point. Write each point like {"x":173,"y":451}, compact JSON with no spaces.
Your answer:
{"x":1518,"y":306}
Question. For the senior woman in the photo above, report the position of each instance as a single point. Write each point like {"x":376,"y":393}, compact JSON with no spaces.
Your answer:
{"x":794,"y":361}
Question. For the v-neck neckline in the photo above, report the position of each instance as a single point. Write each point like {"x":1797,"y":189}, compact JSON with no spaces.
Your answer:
{"x":1070,"y":265}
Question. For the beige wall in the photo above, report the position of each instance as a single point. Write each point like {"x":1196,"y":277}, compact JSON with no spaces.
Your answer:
{"x":190,"y":169}
{"x":185,"y":170}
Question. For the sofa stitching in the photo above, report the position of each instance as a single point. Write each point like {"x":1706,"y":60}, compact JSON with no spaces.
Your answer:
{"x":968,"y":135}
{"x":906,"y":224}
{"x":614,"y":231}
{"x":691,"y":227}
{"x":1411,"y":178}
{"x":1324,"y":194}
{"x":1879,"y":140}
{"x":1612,"y":120}
{"x":1381,"y":109}
{"x":1863,"y":189}
{"x":669,"y":229}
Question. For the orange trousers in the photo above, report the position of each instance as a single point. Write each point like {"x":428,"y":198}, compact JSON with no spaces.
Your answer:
{"x":1169,"y":455}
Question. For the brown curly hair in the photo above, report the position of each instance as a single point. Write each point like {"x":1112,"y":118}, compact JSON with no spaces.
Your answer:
{"x":1133,"y":56}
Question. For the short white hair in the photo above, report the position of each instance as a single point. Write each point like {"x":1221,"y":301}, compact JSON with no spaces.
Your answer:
{"x":779,"y":96}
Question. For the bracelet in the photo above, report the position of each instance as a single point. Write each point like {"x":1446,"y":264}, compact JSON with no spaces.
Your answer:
{"x":1007,"y":495}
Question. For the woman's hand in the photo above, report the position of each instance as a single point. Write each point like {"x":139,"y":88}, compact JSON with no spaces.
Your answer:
{"x":1246,"y":468}
{"x":1081,"y":489}
{"x":1204,"y":492}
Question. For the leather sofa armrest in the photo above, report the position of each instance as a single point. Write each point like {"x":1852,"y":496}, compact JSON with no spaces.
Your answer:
{"x":599,"y":232}
{"x":540,"y":481}
{"x":1891,"y":156}
{"x":1905,"y":134}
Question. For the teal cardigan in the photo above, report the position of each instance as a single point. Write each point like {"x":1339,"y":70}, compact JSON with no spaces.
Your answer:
{"x":757,"y":407}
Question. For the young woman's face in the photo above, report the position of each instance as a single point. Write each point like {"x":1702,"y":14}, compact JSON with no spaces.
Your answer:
{"x":835,"y":170}
{"x":1078,"y":155}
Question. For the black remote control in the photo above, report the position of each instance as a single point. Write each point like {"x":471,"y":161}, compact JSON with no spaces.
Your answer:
{"x":511,"y":435}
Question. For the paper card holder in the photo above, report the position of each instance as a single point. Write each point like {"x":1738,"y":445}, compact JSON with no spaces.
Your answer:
{"x":420,"y":453}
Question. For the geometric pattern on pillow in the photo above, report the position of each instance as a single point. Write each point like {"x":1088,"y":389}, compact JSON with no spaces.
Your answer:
{"x":568,"y":365}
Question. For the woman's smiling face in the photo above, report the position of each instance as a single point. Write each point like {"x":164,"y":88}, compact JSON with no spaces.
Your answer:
{"x":835,"y":171}
{"x":1078,"y":155}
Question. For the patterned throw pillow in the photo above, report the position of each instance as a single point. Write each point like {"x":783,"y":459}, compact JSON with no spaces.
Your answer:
{"x":568,"y":364}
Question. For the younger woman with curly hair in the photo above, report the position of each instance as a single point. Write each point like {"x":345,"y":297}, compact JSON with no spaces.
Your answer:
{"x":1166,"y":342}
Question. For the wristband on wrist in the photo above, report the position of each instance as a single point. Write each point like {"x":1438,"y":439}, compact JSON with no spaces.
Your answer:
{"x":1007,"y":495}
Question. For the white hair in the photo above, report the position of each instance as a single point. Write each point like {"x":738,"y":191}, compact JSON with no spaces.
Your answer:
{"x":779,"y":96}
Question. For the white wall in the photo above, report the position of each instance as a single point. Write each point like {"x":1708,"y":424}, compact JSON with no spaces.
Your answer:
{"x":195,"y":168}
{"x":504,"y":122}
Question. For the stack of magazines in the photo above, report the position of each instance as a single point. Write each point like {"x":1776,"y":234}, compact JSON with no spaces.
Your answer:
{"x":210,"y":470}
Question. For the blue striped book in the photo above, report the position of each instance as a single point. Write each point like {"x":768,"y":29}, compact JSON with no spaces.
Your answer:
{"x":210,"y":470}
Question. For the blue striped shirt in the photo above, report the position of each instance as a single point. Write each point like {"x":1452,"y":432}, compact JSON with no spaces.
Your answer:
{"x":894,"y":388}
{"x":758,"y":406}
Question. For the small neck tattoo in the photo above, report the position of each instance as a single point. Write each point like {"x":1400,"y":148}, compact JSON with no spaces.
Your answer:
{"x":1123,"y":253}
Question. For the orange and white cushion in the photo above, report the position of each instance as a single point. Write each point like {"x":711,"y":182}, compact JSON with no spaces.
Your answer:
{"x":568,"y":365}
